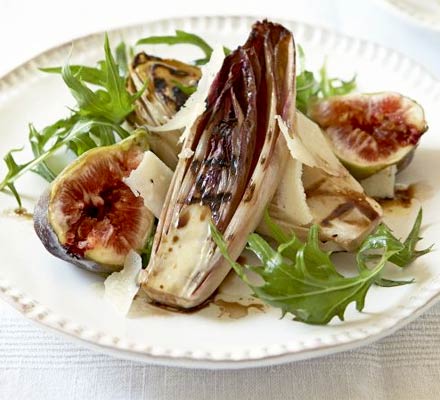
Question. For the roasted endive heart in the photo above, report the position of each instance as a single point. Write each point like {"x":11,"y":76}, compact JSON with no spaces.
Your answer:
{"x":164,"y":95}
{"x":236,"y":159}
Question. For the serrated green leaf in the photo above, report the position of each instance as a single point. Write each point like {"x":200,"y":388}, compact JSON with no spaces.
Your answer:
{"x":13,"y":169}
{"x":221,"y":244}
{"x":122,"y":59}
{"x":96,"y":75}
{"x":409,"y":253}
{"x":188,"y":90}
{"x":113,"y":104}
{"x":383,"y":282}
{"x":81,"y":143}
{"x":181,"y":37}
{"x":96,"y":120}
{"x":41,"y":140}
{"x":146,"y":251}
{"x":334,"y":86}
{"x":301,"y":279}
{"x":310,"y":89}
{"x":91,"y":75}
{"x":277,"y":233}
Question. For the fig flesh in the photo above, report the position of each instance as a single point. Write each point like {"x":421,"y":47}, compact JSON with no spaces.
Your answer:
{"x":89,"y":216}
{"x":163,"y":97}
{"x":370,"y":132}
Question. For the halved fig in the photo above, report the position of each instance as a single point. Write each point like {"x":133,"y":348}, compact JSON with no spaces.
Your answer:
{"x":89,"y":216}
{"x":166,"y":92}
{"x":237,"y":156}
{"x":370,"y":132}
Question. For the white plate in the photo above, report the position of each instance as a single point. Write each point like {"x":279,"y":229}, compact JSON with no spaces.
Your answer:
{"x":422,"y":12}
{"x":67,"y":299}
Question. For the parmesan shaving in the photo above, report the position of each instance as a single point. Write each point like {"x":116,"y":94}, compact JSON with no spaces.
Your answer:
{"x":151,"y":180}
{"x":309,"y":145}
{"x":121,"y":287}
{"x":381,"y":184}
{"x":195,"y":105}
{"x":289,"y":202}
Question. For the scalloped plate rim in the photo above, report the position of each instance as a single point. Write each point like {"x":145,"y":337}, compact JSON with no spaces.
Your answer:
{"x":17,"y":300}
{"x":212,"y":364}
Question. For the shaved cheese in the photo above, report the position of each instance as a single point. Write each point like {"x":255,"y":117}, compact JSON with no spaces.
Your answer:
{"x":309,"y":145}
{"x":289,"y":202}
{"x":326,"y":183}
{"x":195,"y":105}
{"x":121,"y":287}
{"x":381,"y":184}
{"x":151,"y":180}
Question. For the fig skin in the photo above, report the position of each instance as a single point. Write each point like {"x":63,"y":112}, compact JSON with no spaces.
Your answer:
{"x":50,"y":240}
{"x":371,"y":131}
{"x":48,"y":228}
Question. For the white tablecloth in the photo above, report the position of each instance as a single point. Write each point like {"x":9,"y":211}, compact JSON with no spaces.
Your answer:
{"x":39,"y":365}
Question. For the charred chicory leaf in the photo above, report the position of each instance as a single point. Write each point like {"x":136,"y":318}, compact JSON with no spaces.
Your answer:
{"x":234,"y":159}
{"x":300,"y":278}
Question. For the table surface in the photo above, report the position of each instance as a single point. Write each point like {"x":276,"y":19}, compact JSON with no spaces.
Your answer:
{"x":35,"y":364}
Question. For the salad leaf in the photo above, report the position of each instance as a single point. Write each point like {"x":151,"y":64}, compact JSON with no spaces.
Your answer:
{"x":75,"y":137}
{"x":96,"y":75}
{"x":186,"y":89}
{"x":392,"y":283}
{"x":300,"y":278}
{"x":407,"y":255}
{"x":145,"y":253}
{"x":91,"y":75}
{"x":121,"y":54}
{"x":409,"y":252}
{"x":114,"y":103}
{"x":39,"y":140}
{"x":309,"y":88}
{"x":334,"y":86}
{"x":96,"y":121}
{"x":306,"y":84}
{"x":13,"y":169}
{"x":182,"y":37}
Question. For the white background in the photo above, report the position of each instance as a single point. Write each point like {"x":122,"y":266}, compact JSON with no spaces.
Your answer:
{"x":37,"y":365}
{"x":29,"y":27}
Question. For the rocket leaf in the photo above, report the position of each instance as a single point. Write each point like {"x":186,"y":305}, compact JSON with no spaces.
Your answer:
{"x":301,"y":279}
